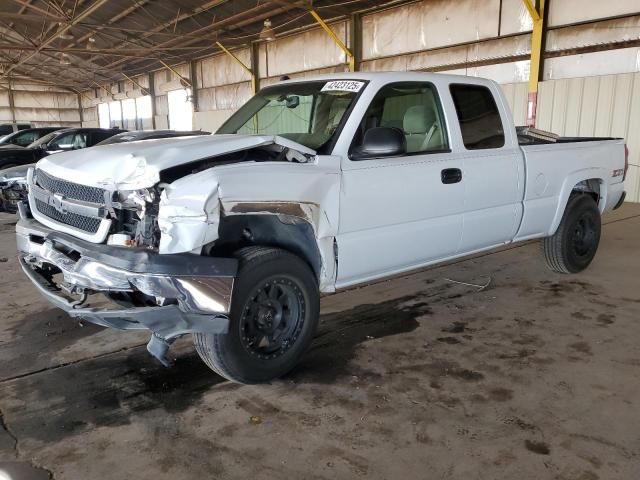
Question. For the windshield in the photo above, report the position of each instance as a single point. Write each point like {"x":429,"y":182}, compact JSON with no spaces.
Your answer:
{"x":309,"y":113}
{"x":7,"y":138}
{"x":43,"y":140}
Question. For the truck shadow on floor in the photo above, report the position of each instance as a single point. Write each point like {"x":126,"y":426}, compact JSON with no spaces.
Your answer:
{"x":340,"y":334}
{"x":105,"y":391}
{"x":111,"y":390}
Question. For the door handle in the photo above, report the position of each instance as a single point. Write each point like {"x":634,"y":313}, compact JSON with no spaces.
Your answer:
{"x":451,"y":175}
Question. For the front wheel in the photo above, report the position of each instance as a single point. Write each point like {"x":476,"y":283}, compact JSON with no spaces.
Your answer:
{"x":274,"y":314}
{"x":572,"y":248}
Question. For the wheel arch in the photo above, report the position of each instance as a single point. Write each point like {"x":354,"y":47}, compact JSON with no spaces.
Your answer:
{"x":288,"y":232}
{"x":588,"y":183}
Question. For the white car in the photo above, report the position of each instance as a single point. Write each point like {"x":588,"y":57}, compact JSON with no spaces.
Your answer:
{"x":313,"y":186}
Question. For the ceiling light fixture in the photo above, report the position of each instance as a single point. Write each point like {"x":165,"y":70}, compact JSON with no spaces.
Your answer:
{"x":267,"y":33}
{"x":66,"y":35}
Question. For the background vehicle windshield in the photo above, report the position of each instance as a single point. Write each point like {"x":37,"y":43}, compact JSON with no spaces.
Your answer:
{"x":308,"y":113}
{"x":43,"y":140}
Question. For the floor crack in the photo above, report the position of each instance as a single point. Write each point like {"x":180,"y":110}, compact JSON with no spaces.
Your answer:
{"x":5,"y":427}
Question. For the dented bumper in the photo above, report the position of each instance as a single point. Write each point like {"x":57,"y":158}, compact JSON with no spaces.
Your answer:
{"x":183,"y":293}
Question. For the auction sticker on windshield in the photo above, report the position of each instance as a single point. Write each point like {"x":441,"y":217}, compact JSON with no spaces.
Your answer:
{"x":343,"y":86}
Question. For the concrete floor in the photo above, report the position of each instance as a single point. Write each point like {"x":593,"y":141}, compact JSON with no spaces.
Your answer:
{"x":536,"y":377}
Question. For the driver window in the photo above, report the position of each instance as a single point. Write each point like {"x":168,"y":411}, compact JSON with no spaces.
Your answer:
{"x":414,"y":108}
{"x":70,"y":141}
{"x":26,"y":138}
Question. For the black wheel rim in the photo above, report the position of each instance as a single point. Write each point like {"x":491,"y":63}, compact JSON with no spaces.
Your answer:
{"x":584,"y":236}
{"x":272,"y":318}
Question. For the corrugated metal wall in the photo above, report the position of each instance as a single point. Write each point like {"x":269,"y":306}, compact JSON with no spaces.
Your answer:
{"x":602,"y":106}
{"x":606,"y":106}
{"x":40,"y":105}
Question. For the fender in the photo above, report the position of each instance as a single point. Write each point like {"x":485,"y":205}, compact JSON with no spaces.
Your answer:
{"x":568,"y":186}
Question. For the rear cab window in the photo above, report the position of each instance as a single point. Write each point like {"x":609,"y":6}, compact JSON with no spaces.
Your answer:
{"x":480,"y":121}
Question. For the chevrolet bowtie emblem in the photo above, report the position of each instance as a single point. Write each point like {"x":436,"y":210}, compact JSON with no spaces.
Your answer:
{"x":57,"y":202}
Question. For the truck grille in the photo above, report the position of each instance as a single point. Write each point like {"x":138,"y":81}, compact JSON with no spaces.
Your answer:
{"x":86,"y":224}
{"x":68,"y":189}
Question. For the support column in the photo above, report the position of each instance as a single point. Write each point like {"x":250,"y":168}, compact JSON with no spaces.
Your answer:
{"x":355,"y":39}
{"x":537,"y":13}
{"x":152,"y":93}
{"x":80,"y":109}
{"x":12,"y":105}
{"x":255,"y":65}
{"x":193,"y":73}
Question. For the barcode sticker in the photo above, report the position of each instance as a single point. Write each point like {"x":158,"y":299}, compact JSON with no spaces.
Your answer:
{"x":343,"y":86}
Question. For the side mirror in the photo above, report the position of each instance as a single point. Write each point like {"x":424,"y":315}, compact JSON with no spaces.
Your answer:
{"x":381,"y":142}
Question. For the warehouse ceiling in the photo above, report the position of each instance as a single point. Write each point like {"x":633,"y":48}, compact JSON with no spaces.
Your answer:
{"x":84,"y":43}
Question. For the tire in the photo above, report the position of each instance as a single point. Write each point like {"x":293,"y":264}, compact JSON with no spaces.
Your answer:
{"x":572,"y":248}
{"x":274,"y":315}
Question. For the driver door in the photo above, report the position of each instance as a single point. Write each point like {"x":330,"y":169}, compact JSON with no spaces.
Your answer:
{"x":400,"y":212}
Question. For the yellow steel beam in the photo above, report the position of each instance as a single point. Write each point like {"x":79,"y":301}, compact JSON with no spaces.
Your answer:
{"x":241,"y":63}
{"x":142,"y":89}
{"x":350,"y":57}
{"x":102,"y":87}
{"x":537,"y":15}
{"x":81,"y":93}
{"x":185,"y":81}
{"x":533,"y":11}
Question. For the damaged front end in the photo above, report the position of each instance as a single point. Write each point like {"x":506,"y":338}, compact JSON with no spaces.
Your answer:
{"x":132,"y":250}
{"x":99,"y":260}
{"x":13,"y":188}
{"x":170,"y":295}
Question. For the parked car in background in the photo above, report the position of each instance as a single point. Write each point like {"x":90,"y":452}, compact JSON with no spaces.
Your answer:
{"x":24,"y":138}
{"x":54,"y":142}
{"x":13,"y":187}
{"x":7,"y":128}
{"x":136,"y":135}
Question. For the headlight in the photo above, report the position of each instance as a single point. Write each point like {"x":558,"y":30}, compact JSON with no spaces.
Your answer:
{"x":136,"y":199}
{"x":14,"y":175}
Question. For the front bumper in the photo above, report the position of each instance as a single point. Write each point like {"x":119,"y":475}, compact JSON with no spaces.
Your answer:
{"x":191,"y":293}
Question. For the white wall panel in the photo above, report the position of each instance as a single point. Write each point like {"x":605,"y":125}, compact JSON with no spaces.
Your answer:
{"x":487,"y":51}
{"x":623,"y":60}
{"x":428,"y":24}
{"x":165,"y":80}
{"x":515,"y":18}
{"x":210,"y":121}
{"x":606,"y":106}
{"x":223,"y":70}
{"x":609,"y":31}
{"x":516,"y":94}
{"x":45,"y":100}
{"x":309,"y":50}
{"x":565,"y":12}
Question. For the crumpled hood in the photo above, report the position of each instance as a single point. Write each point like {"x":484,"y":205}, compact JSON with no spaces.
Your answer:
{"x":135,"y":165}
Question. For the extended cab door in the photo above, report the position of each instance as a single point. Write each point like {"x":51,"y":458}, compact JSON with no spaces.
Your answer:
{"x":493,"y":169}
{"x":404,"y":211}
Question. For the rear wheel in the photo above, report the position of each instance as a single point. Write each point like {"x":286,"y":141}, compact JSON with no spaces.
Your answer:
{"x":572,"y":248}
{"x":274,"y":314}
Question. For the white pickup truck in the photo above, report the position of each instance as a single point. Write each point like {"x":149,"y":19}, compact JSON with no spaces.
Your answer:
{"x":313,"y":186}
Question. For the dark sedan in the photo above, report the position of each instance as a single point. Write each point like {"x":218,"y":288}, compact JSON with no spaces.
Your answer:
{"x":58,"y":141}
{"x":24,"y":138}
